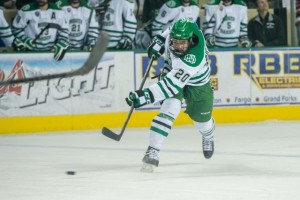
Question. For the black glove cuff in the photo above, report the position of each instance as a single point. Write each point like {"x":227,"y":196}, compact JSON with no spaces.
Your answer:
{"x":161,"y":38}
{"x":151,"y":95}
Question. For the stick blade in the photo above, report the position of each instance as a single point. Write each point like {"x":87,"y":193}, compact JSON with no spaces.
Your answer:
{"x":108,"y":133}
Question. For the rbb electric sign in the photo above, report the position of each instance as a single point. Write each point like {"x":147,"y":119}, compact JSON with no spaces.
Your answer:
{"x":214,"y":70}
{"x":269,"y":70}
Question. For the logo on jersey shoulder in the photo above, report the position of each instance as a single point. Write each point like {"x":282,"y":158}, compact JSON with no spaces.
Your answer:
{"x":171,"y":4}
{"x":187,"y":19}
{"x":37,"y":13}
{"x":190,"y":58}
{"x":26,"y":7}
{"x":58,"y":4}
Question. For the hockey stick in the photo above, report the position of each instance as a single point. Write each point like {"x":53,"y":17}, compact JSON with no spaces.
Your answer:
{"x":100,"y":10}
{"x":92,"y":61}
{"x":108,"y":133}
{"x":49,"y":25}
{"x":213,"y":15}
{"x":223,"y":20}
{"x":215,"y":30}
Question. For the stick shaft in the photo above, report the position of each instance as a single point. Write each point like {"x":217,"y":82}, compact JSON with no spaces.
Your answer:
{"x":95,"y":56}
{"x":117,"y":137}
{"x":49,"y":25}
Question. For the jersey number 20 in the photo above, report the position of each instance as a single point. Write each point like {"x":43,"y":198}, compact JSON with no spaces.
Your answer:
{"x":180,"y":75}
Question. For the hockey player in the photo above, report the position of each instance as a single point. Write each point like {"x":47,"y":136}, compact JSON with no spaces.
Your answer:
{"x":119,"y":22}
{"x":35,"y":17}
{"x":21,"y":3}
{"x":8,"y":4}
{"x":5,"y":32}
{"x":186,"y":74}
{"x":171,"y":11}
{"x":150,"y":9}
{"x":83,"y":26}
{"x":225,"y":24}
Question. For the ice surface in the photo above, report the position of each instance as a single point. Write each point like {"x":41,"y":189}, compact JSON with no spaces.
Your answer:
{"x":257,"y":161}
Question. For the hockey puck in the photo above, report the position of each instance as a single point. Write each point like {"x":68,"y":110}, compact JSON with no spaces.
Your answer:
{"x":70,"y":172}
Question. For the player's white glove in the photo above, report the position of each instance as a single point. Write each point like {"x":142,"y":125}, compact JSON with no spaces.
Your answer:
{"x":157,"y":47}
{"x":91,"y":44}
{"x":140,"y":98}
{"x":125,"y":43}
{"x":100,"y":8}
{"x":25,"y":44}
{"x":60,"y":49}
{"x":18,"y":45}
{"x":29,"y":44}
{"x":142,"y":39}
{"x":257,"y":43}
{"x":210,"y":41}
{"x":245,"y":42}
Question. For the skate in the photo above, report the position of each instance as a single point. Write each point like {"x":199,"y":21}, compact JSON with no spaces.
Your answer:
{"x":208,"y":147}
{"x":150,"y":160}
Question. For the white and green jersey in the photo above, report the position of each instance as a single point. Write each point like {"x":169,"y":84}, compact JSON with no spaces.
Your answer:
{"x":119,"y":21}
{"x":170,"y":12}
{"x":226,"y":23}
{"x":5,"y":32}
{"x":30,"y":20}
{"x":192,"y":69}
{"x":83,"y":26}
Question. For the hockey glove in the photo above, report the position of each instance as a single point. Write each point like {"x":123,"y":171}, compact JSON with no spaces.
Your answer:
{"x":140,"y":98}
{"x":125,"y":43}
{"x":101,"y":8}
{"x":60,"y":49}
{"x":22,"y":45}
{"x":29,"y":44}
{"x":157,"y":47}
{"x":91,"y":45}
{"x":210,"y":41}
{"x":18,"y":45}
{"x":245,"y":42}
{"x":142,"y":38}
